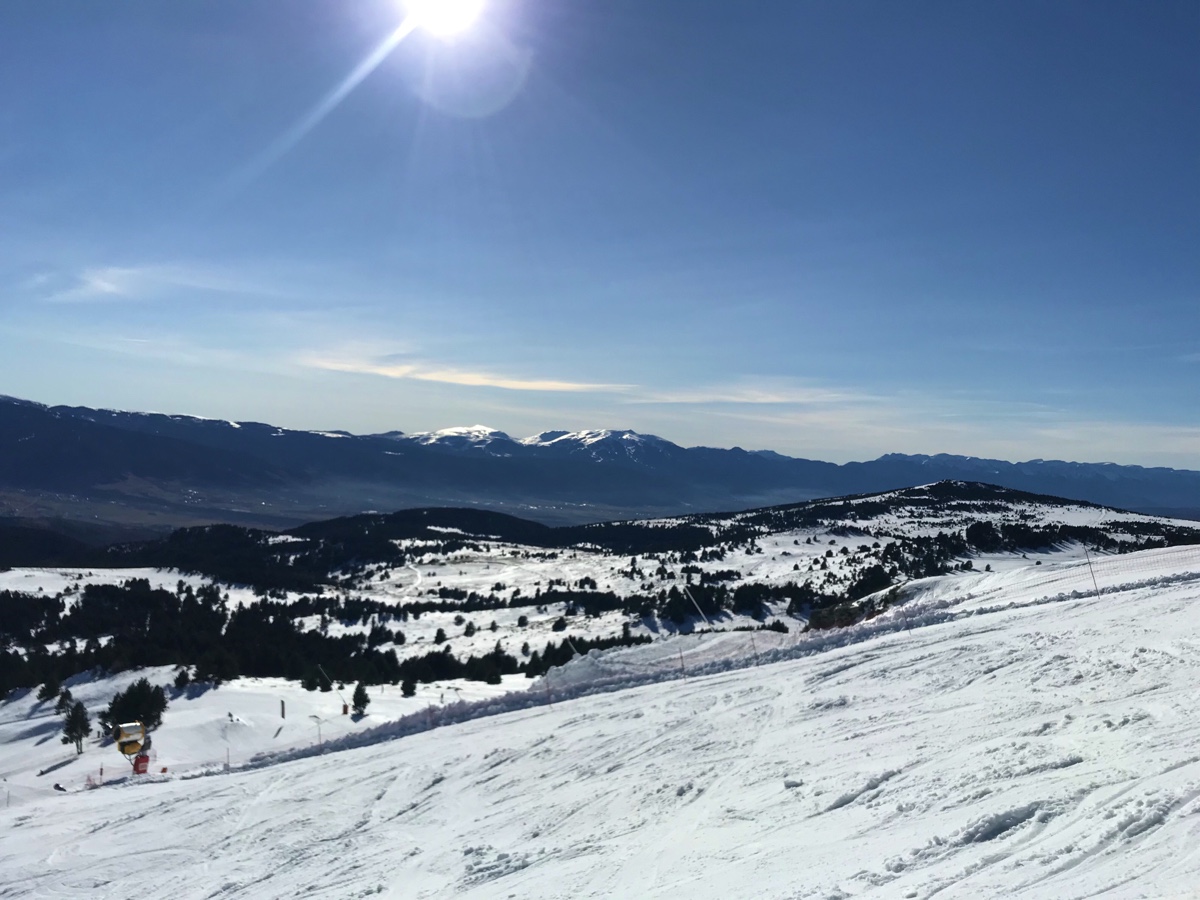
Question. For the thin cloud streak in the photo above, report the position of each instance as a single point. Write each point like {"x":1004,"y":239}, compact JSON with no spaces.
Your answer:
{"x":107,"y":283}
{"x":917,"y":427}
{"x":461,"y":377}
{"x":150,"y":282}
{"x":824,"y":423}
{"x":174,"y":349}
{"x":748,"y":394}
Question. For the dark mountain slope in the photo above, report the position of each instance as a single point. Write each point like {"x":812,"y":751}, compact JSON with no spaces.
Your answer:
{"x":151,"y":469}
{"x":44,"y":448}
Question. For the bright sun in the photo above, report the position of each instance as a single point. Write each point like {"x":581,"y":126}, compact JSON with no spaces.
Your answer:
{"x":444,"y":17}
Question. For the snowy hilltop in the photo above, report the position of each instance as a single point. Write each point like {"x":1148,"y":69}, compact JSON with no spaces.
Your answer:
{"x":426,"y":595}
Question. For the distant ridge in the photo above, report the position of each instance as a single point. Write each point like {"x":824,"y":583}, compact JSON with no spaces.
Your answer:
{"x":161,"y":471}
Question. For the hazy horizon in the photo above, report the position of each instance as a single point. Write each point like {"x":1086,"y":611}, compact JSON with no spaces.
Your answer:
{"x":518,"y":435}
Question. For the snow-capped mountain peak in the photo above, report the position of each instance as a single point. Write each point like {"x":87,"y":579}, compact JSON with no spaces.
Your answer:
{"x":463,"y":434}
{"x":600,"y":444}
{"x":588,"y":437}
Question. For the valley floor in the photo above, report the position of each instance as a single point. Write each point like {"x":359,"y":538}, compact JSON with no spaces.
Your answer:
{"x":1000,"y":735}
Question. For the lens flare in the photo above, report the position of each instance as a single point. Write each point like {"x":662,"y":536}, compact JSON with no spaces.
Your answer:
{"x":444,"y":18}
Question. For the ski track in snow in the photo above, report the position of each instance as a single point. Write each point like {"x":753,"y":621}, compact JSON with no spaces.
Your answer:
{"x":1001,"y":735}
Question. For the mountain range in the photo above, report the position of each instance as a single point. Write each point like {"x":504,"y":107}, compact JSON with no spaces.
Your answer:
{"x":153,"y":471}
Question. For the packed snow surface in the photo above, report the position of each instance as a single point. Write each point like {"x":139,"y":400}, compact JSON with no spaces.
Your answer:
{"x":1024,"y":733}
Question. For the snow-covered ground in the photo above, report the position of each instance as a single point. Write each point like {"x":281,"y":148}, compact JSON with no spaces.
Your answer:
{"x":53,"y":581}
{"x":1008,"y":734}
{"x":204,"y":728}
{"x":827,"y":556}
{"x":842,"y":539}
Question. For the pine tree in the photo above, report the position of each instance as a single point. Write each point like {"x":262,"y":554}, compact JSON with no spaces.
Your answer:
{"x":533,"y":668}
{"x":361,"y":700}
{"x":51,"y":688}
{"x":77,"y":726}
{"x":408,"y":687}
{"x":63,"y":706}
{"x":141,"y":702}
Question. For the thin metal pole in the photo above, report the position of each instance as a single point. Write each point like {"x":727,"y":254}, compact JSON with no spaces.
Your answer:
{"x":1091,"y":570}
{"x":697,"y":605}
{"x":331,"y":683}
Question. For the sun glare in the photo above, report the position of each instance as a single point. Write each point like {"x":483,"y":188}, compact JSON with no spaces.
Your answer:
{"x":444,"y":18}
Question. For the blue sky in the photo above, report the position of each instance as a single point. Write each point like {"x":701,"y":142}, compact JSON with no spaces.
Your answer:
{"x":833,"y":230}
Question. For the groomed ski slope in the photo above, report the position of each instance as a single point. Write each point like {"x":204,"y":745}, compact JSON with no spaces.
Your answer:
{"x":1000,"y":735}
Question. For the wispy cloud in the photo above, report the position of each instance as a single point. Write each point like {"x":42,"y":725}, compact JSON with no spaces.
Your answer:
{"x":175,"y":349}
{"x":909,"y":424}
{"x":424,"y":371}
{"x":766,"y":392}
{"x":1121,"y":440}
{"x":36,"y":282}
{"x":107,"y":283}
{"x":151,"y":282}
{"x":825,"y":421}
